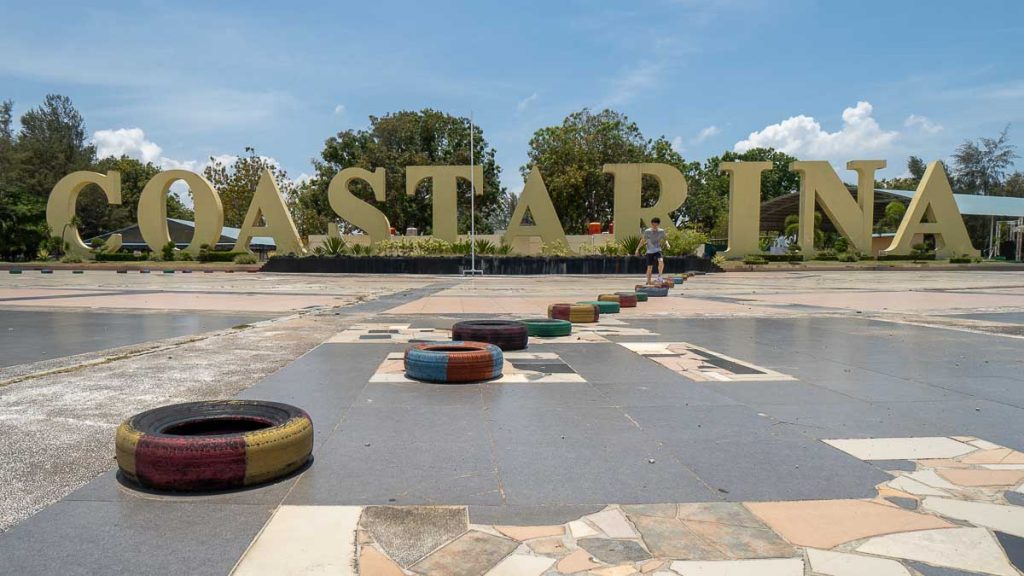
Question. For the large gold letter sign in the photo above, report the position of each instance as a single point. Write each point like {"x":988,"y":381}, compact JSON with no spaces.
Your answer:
{"x":443,"y":193}
{"x":209,"y":212}
{"x":933,"y":211}
{"x":744,"y":206}
{"x":629,"y":215}
{"x":60,"y":208}
{"x":268,"y":205}
{"x":535,"y":198}
{"x":819,"y":183}
{"x":362,"y":215}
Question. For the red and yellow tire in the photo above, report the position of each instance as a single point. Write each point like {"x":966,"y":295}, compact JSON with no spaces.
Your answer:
{"x":609,"y":298}
{"x":214,"y":445}
{"x":575,"y":313}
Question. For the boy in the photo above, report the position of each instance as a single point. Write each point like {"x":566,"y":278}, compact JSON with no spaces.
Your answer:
{"x":654,"y":237}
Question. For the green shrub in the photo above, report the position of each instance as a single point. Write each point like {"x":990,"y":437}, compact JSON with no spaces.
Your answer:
{"x":841,"y":244}
{"x":962,"y":259}
{"x":718,"y":260}
{"x":788,"y":257}
{"x":849,"y":257}
{"x":557,"y":248}
{"x":929,"y":256}
{"x":121,"y":257}
{"x":183,"y":256}
{"x":218,"y":256}
{"x":826,"y":255}
{"x":504,"y":249}
{"x":71,"y":259}
{"x":484,"y":246}
{"x":245,"y":258}
{"x":754,"y":260}
{"x":332,"y":246}
{"x":630,"y":244}
{"x":611,"y":249}
{"x":167,"y":252}
{"x":684,"y":241}
{"x":361,"y":250}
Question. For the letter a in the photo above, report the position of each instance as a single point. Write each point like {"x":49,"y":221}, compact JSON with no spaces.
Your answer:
{"x":935,"y":203}
{"x":535,"y":198}
{"x":268,"y":204}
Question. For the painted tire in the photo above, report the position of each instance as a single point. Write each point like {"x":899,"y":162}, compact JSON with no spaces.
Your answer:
{"x":641,"y":296}
{"x":575,"y":313}
{"x":678,"y":279}
{"x":604,"y":306}
{"x":453,"y":362}
{"x":505,"y":334}
{"x":547,"y":328}
{"x":628,"y":299}
{"x":653,"y":291}
{"x":667,"y":283}
{"x":213,"y":445}
{"x":609,"y":298}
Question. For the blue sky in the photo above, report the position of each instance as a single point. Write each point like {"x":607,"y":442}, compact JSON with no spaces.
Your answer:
{"x":177,"y":82}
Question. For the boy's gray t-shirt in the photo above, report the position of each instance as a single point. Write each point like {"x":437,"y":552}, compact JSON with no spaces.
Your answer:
{"x":654,"y":238}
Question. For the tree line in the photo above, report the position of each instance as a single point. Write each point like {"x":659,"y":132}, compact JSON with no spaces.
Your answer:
{"x":51,"y":141}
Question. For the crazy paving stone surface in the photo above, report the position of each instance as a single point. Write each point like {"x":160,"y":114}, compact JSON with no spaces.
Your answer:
{"x":614,"y":551}
{"x":407,"y":534}
{"x":828,"y":523}
{"x":472,"y":554}
{"x":1014,"y":548}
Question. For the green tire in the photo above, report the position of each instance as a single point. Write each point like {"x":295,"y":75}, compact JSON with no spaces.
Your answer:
{"x":547,"y":327}
{"x":604,"y":306}
{"x":641,"y":296}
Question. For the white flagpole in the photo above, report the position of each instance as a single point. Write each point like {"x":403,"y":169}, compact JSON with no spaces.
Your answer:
{"x":472,"y":201}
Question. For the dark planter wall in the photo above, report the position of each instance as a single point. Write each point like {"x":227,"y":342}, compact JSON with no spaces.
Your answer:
{"x":496,"y":265}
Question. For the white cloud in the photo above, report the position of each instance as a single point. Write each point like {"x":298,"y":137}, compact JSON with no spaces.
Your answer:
{"x":132,"y":142}
{"x":922,"y":123}
{"x":125,"y":142}
{"x":706,"y":133}
{"x":641,"y":78}
{"x":803,"y":136}
{"x":339,"y":109}
{"x":525,"y":103}
{"x":677,"y":144}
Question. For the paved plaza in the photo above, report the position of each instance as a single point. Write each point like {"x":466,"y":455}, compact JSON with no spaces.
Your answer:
{"x":775,"y":423}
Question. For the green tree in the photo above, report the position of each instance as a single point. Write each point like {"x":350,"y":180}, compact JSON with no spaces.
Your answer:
{"x":980,"y":167}
{"x":570,"y":157}
{"x":98,"y":216}
{"x":50,"y":145}
{"x":394,"y":141}
{"x":890,"y":221}
{"x":22,"y":223}
{"x":707,"y":205}
{"x":236,"y":182}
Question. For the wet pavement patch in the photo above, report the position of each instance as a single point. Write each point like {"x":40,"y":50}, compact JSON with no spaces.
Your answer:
{"x":32,"y":336}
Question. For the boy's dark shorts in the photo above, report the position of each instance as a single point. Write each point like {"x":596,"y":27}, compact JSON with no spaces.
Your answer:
{"x":652,"y":258}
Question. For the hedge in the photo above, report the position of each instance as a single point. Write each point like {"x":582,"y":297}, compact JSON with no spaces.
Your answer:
{"x":907,"y":256}
{"x":121,"y":257}
{"x":218,"y":256}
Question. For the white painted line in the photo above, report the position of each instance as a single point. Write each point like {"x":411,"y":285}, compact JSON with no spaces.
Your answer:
{"x":306,"y":540}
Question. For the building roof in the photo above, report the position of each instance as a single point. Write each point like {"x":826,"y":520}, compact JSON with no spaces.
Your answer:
{"x":977,"y":205}
{"x":181,"y":232}
{"x":775,"y":211}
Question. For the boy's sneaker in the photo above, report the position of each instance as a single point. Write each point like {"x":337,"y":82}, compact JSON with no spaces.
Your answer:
{"x":660,"y":279}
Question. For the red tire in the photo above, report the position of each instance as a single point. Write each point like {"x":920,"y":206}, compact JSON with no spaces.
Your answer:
{"x":627,"y":299}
